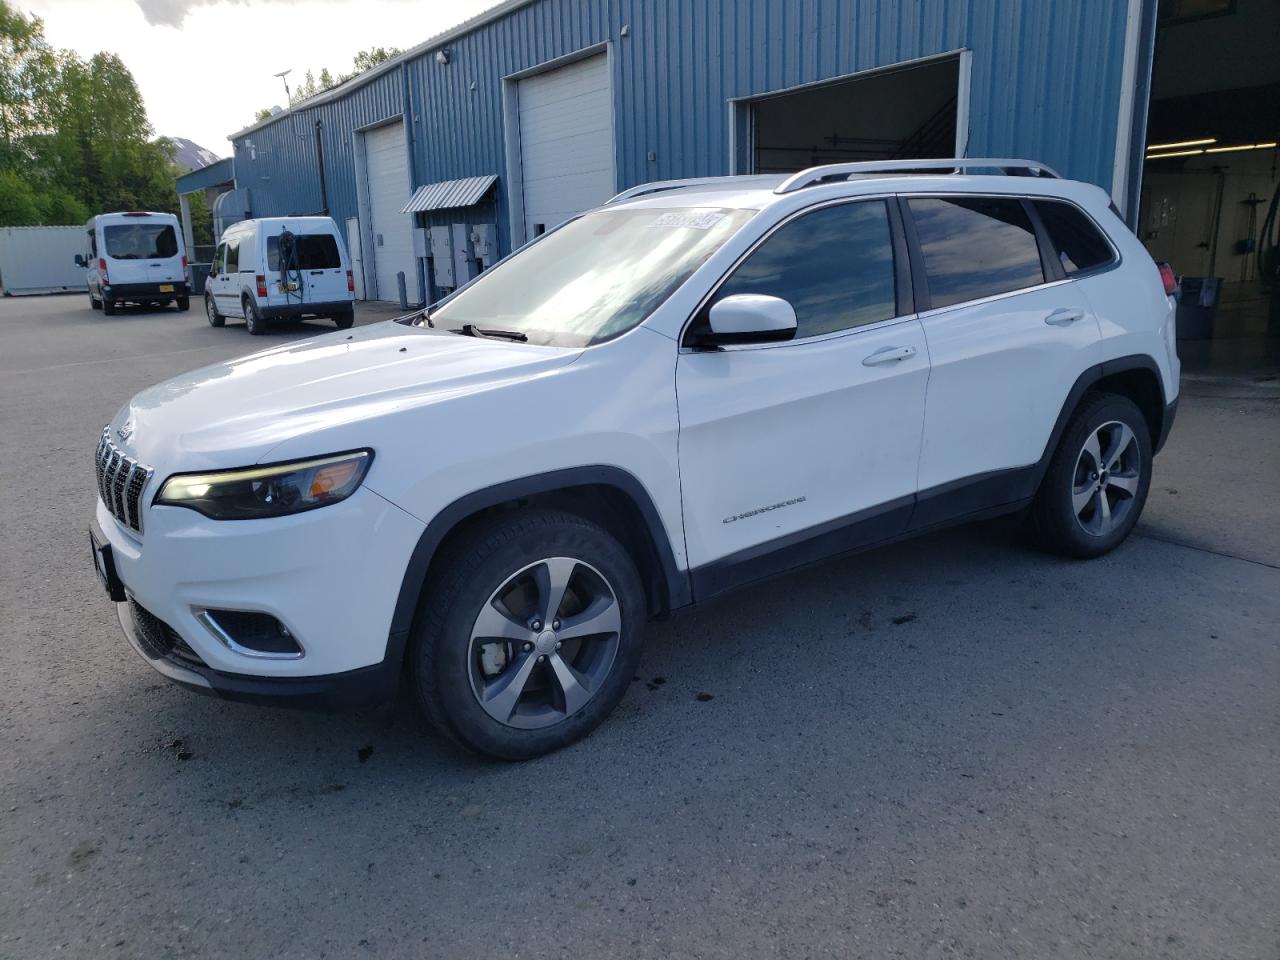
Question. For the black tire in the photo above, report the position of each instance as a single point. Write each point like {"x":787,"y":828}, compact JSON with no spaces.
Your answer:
{"x":211,"y":311}
{"x":344,"y":320}
{"x":443,"y":661}
{"x":109,"y":307}
{"x":94,"y":303}
{"x":184,"y":304}
{"x":253,"y":321}
{"x":1074,"y":478}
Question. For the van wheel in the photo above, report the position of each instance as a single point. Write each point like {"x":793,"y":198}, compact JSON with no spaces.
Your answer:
{"x":1097,"y":482}
{"x":344,"y":320}
{"x":252,"y":319}
{"x":94,"y":303}
{"x":530,"y":637}
{"x":184,"y":303}
{"x":211,"y":311}
{"x":109,"y":307}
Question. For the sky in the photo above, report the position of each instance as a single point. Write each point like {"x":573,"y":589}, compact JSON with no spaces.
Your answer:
{"x":206,"y":66}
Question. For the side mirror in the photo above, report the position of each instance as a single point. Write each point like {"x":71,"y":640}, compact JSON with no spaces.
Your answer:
{"x":80,"y":260}
{"x":749,"y":318}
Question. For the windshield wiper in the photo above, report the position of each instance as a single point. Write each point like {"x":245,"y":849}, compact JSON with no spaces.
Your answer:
{"x":471,"y":330}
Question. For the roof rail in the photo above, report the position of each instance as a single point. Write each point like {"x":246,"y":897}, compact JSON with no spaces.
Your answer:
{"x":657,"y":186}
{"x":842,"y":171}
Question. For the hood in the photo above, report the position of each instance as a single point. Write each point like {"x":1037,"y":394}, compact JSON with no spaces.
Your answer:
{"x":233,"y":413}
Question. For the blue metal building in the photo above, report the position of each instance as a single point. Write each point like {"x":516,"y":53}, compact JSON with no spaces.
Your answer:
{"x":543,"y":107}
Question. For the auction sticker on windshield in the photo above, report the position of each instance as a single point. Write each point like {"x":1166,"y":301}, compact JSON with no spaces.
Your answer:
{"x":694,"y":219}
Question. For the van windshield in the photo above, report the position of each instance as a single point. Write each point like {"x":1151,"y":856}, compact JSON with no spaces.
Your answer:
{"x":316,"y":251}
{"x":594,"y":278}
{"x":140,"y":241}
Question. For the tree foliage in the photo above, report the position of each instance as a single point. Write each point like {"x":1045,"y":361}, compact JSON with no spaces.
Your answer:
{"x":74,"y":134}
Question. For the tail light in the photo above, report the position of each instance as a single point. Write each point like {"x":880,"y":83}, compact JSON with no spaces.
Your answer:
{"x":185,"y":271}
{"x":262,"y":285}
{"x":351,"y":283}
{"x":102,"y":269}
{"x":1169,"y":279}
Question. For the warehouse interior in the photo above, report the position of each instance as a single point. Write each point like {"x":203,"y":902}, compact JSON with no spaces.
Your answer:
{"x":907,"y":111}
{"x":1212,"y":169}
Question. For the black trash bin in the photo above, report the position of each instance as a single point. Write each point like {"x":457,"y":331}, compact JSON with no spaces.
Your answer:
{"x":199,"y":274}
{"x":1198,"y":307}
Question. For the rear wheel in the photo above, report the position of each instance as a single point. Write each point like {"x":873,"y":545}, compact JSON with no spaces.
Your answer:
{"x":1097,"y":482}
{"x":211,"y":311}
{"x":184,"y":303}
{"x":109,"y":307}
{"x":252,"y":319}
{"x":344,"y":320}
{"x":94,"y":303}
{"x":530,"y":637}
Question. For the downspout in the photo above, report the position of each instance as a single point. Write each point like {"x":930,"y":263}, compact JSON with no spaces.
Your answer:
{"x":1135,"y":100}
{"x":324,"y":193}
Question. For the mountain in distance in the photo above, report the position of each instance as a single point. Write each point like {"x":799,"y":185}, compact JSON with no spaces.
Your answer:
{"x":191,"y":156}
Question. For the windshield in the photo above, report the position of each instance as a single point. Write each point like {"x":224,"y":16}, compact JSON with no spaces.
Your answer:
{"x":140,"y":241}
{"x":595,"y":277}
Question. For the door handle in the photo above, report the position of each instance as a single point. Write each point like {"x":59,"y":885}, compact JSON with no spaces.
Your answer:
{"x":1060,"y":318}
{"x":889,"y":355}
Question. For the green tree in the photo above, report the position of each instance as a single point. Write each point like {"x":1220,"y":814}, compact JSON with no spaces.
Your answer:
{"x":28,"y":71}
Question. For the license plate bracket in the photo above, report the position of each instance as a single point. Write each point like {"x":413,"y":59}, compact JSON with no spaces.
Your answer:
{"x":104,"y":565}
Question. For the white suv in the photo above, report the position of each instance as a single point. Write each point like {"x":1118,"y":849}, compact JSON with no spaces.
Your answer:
{"x":694,"y":387}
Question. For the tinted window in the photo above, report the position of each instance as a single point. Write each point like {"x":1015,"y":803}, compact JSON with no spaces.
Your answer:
{"x":834,"y":266}
{"x":233,"y":255}
{"x":1079,"y":244}
{"x":140,"y":241}
{"x":975,"y":247}
{"x":316,"y":251}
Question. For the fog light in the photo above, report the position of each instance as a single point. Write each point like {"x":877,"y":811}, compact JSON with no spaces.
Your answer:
{"x":251,"y":633}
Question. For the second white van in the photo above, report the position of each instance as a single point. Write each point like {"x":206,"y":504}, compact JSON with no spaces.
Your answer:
{"x":280,"y":268}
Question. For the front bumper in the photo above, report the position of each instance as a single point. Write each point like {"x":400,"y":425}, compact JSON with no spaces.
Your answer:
{"x":174,"y":659}
{"x":331,"y":576}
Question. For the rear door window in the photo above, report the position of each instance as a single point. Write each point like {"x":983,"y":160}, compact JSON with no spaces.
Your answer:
{"x":975,"y":247}
{"x":1077,"y":242}
{"x":315,"y":251}
{"x":140,"y":241}
{"x":834,"y":266}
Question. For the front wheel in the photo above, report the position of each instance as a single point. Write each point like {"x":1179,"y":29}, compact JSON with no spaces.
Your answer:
{"x":211,"y":311}
{"x":1097,"y":482}
{"x":531,"y":635}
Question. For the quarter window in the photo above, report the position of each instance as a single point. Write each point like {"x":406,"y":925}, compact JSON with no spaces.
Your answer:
{"x":233,"y":256}
{"x":975,"y":247}
{"x":1075,"y":238}
{"x":834,"y":266}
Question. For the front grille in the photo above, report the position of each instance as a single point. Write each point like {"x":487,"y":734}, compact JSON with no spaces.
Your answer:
{"x":121,"y":481}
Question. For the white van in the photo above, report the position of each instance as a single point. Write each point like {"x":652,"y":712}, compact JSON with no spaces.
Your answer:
{"x":280,"y":268}
{"x":135,"y":257}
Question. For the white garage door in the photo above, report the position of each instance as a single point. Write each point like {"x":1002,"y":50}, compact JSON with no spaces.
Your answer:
{"x":566,"y":142}
{"x":387,"y":167}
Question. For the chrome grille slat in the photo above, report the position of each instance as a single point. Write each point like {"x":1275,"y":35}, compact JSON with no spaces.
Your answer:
{"x":121,"y":482}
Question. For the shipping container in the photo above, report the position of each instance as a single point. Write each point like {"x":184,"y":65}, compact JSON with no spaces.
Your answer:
{"x":40,"y":260}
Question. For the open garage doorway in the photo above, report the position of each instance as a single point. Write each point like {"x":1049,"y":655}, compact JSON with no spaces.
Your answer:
{"x":910,"y":111}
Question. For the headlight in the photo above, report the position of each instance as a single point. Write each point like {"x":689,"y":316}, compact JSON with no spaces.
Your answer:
{"x":269,"y":491}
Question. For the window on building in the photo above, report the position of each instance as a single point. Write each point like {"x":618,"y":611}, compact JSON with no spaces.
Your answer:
{"x":1078,"y":243}
{"x":975,"y":247}
{"x":834,"y":266}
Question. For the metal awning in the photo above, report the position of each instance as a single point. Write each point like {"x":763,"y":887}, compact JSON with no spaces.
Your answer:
{"x":448,"y":194}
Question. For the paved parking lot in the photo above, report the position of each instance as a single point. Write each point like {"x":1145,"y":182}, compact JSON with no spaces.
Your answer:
{"x":954,"y":747}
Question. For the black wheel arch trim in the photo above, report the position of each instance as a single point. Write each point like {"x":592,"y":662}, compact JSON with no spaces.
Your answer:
{"x":674,"y":581}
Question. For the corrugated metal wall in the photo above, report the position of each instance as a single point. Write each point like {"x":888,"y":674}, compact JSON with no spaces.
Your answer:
{"x":1046,"y":79}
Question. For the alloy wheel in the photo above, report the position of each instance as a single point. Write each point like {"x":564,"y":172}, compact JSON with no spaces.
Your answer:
{"x":544,"y":643}
{"x":1107,"y":475}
